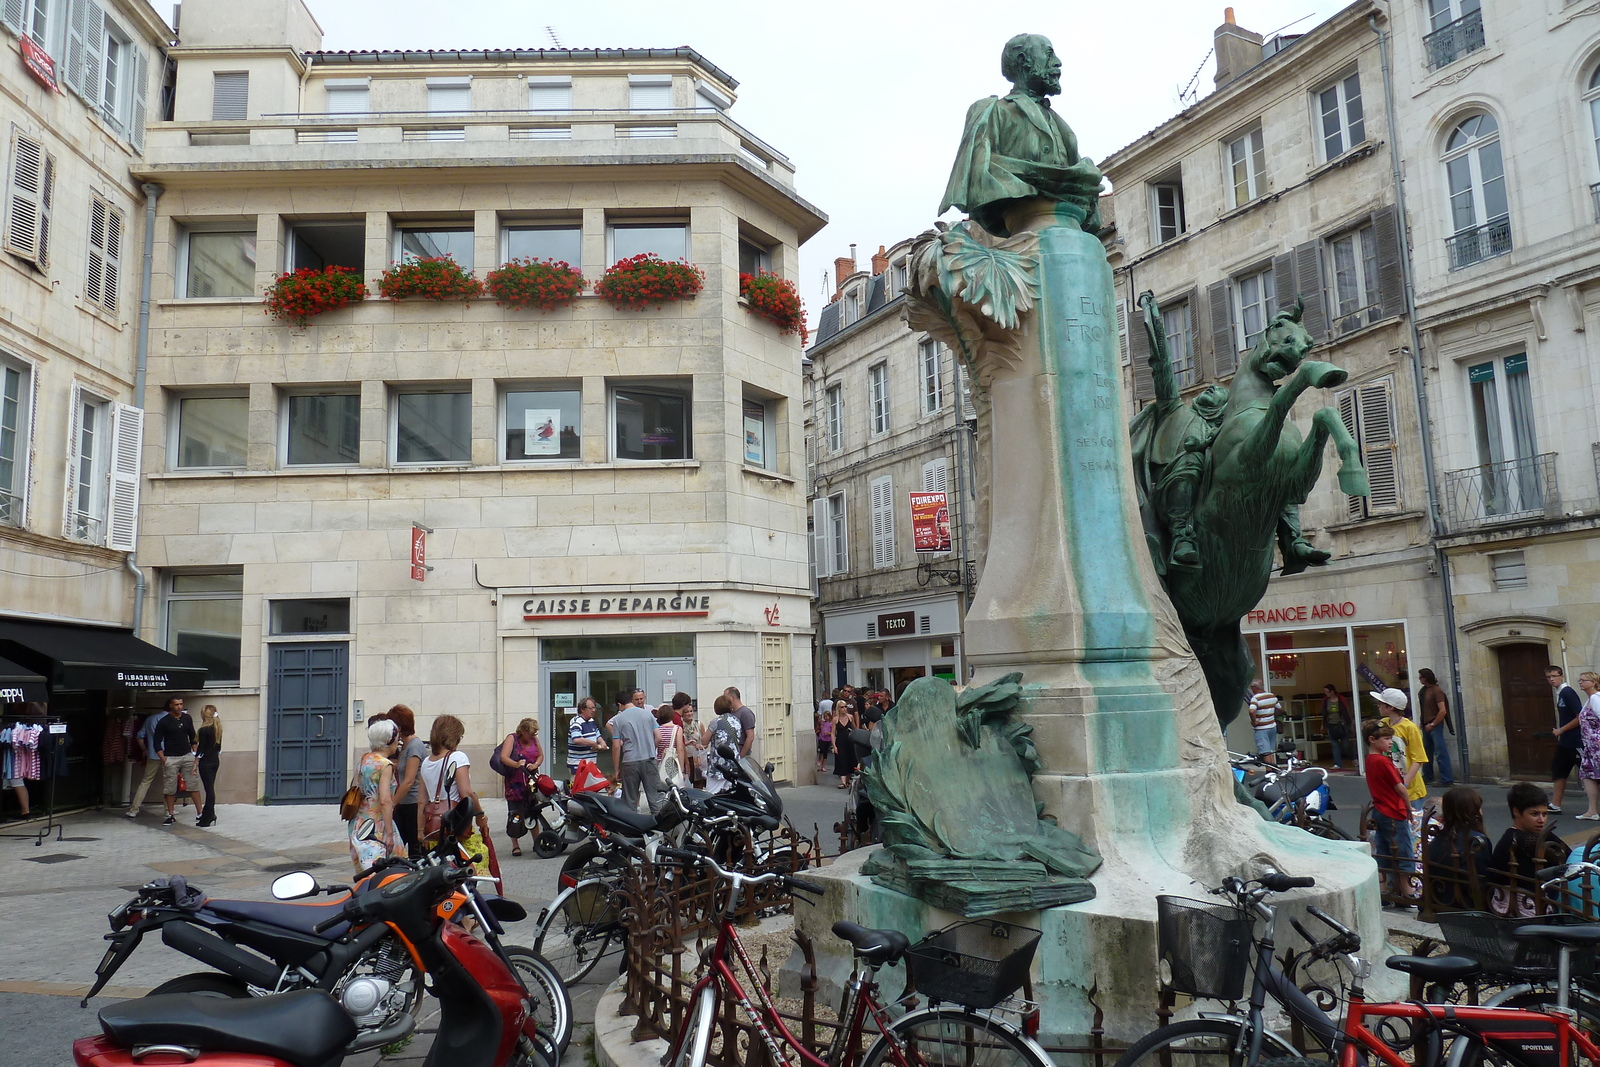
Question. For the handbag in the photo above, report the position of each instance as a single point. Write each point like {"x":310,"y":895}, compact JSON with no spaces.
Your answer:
{"x":498,"y":765}
{"x":435,"y":809}
{"x":350,"y":803}
{"x":670,"y":770}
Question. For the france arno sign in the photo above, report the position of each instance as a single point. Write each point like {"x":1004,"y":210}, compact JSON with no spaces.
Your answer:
{"x":623,"y":605}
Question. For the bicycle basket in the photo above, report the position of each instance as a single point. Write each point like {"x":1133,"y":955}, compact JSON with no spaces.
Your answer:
{"x":975,"y":964}
{"x":1205,"y":947}
{"x":1492,"y":941}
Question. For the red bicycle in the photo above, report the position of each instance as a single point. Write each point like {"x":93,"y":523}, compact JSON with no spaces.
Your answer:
{"x":934,"y":1036}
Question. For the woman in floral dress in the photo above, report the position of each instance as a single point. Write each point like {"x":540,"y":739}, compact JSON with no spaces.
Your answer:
{"x":1589,"y":727}
{"x":372,"y":832}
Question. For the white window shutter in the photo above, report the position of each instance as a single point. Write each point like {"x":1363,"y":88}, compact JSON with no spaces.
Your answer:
{"x":230,"y":95}
{"x":122,"y":514}
{"x":1355,"y":507}
{"x":94,"y":275}
{"x":25,"y":197}
{"x":936,"y":476}
{"x":11,"y":16}
{"x":1122,"y":332}
{"x":74,"y":433}
{"x":94,"y":46}
{"x":820,"y":541}
{"x":141,"y":96}
{"x":883,"y":522}
{"x":844,"y":535}
{"x":1379,"y":449}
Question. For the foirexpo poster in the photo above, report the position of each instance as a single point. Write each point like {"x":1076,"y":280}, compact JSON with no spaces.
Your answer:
{"x":541,"y":432}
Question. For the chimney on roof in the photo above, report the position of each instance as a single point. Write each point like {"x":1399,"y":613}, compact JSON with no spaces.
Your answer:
{"x":880,"y":261}
{"x":1237,"y":49}
{"x":843,"y":267}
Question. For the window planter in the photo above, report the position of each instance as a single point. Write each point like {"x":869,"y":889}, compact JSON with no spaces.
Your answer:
{"x":544,"y":284}
{"x":297,"y":296}
{"x":640,"y":281}
{"x":777,"y":300}
{"x":432,"y":278}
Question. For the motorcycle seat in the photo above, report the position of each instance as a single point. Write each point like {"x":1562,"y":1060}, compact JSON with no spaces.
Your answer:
{"x":1292,"y":787}
{"x":613,"y":810}
{"x":305,"y":1027}
{"x":299,"y":916}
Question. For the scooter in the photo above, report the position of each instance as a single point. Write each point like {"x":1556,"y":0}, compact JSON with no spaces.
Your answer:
{"x":485,"y":1016}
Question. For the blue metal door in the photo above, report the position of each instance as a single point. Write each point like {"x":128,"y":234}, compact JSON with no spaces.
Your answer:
{"x":307,"y":687}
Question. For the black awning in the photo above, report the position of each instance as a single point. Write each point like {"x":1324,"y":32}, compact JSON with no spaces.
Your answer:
{"x":90,"y":657}
{"x":19,"y":684}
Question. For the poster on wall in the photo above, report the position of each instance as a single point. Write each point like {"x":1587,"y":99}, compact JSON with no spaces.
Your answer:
{"x":930,"y":521}
{"x":754,"y":449}
{"x":541,"y":435}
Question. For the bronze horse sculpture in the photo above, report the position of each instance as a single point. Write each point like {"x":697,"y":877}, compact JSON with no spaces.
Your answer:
{"x":1222,"y":480}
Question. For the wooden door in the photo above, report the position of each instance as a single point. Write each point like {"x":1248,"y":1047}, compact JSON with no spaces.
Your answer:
{"x":1528,"y":707}
{"x":307,"y":717}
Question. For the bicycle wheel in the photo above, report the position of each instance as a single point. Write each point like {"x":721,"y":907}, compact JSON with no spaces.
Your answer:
{"x":948,"y":1037}
{"x":1202,"y":1043}
{"x":552,"y":1007}
{"x":577,"y":928}
{"x":697,"y":1025}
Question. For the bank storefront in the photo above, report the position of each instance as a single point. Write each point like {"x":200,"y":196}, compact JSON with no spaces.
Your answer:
{"x":558,"y":646}
{"x":892,"y":642}
{"x":1357,"y":635}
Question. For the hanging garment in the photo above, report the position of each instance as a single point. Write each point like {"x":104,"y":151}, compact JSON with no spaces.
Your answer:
{"x":25,"y":748}
{"x":114,"y":746}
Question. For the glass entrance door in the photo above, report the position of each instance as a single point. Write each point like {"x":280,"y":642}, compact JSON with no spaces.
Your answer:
{"x":605,"y":684}
{"x":566,"y":686}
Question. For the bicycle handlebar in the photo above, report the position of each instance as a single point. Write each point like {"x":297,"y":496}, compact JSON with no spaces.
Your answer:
{"x":656,"y":852}
{"x":1279,"y":883}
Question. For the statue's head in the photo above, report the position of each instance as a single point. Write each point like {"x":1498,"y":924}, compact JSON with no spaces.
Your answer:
{"x":1211,"y":403}
{"x":1283,"y":345}
{"x":1029,"y":62}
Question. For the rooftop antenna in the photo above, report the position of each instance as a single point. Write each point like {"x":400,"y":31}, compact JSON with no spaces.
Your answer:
{"x":1190,"y":93}
{"x":551,"y":30}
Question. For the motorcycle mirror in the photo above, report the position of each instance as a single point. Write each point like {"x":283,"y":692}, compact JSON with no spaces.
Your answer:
{"x":292,"y":885}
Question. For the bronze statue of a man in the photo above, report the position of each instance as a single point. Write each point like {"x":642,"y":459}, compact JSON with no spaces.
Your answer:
{"x":1016,"y":146}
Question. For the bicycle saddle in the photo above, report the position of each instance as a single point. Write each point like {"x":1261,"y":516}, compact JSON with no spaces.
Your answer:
{"x":1562,"y":935}
{"x":877,"y":947}
{"x":1436,"y":968}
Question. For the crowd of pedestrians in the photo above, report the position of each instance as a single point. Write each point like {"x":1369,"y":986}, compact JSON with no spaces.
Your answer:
{"x":185,"y":759}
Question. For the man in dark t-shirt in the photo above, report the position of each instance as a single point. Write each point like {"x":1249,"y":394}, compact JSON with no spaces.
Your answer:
{"x":175,"y":737}
{"x":747,"y":721}
{"x":1569,"y":741}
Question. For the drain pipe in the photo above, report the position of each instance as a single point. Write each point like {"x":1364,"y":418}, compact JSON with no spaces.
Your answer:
{"x":1429,"y":473}
{"x":152,"y":193}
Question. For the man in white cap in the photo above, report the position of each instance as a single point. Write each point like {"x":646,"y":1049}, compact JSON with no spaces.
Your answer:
{"x":1392,"y":702}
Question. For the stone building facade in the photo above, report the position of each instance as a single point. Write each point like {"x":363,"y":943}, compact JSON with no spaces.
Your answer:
{"x":888,"y":417}
{"x":1277,"y":184}
{"x":78,"y":80}
{"x":657,"y":539}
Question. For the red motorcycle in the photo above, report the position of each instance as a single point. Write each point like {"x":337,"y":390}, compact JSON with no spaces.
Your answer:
{"x":484,"y":1020}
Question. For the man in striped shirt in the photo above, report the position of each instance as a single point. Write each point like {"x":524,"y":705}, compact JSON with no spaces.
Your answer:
{"x":1264,"y":721}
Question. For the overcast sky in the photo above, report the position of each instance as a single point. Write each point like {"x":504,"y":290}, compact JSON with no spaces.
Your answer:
{"x":866,"y":99}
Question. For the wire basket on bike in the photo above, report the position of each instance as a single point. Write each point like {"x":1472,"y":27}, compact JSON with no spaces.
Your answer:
{"x":1205,"y":947}
{"x":1492,"y":941}
{"x":975,"y":964}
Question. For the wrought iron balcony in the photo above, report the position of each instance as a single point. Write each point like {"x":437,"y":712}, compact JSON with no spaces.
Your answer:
{"x":1517,"y":490}
{"x":1449,"y":43}
{"x":10,"y":509}
{"x":1491,"y":239}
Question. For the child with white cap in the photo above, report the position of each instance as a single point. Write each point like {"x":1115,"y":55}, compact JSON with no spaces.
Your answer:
{"x":1392,"y":702}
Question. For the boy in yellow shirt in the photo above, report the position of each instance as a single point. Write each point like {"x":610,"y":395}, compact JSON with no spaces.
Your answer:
{"x":1392,"y":702}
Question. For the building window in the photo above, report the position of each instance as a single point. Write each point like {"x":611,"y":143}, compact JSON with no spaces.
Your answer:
{"x":1510,"y":570}
{"x":932,"y":381}
{"x":16,"y":403}
{"x":331,"y":616}
{"x":455,"y":243}
{"x":322,"y":429}
{"x":102,"y":279}
{"x":709,"y":97}
{"x":205,"y":613}
{"x":1368,"y":413}
{"x":230,"y":96}
{"x":91,"y":457}
{"x":1480,"y":215}
{"x":1343,"y":124}
{"x":542,"y":423}
{"x":1247,"y":167}
{"x":1178,"y":322}
{"x":30,"y":189}
{"x":878,"y":397}
{"x":348,"y":96}
{"x":760,"y":432}
{"x":1455,"y":30}
{"x":449,"y":95}
{"x":666,"y":240}
{"x":753,"y":259}
{"x":319,"y":245}
{"x":882,"y":492}
{"x":852,"y":308}
{"x":220,"y":263}
{"x":899,"y":277}
{"x":1254,"y":297}
{"x":1353,"y":278}
{"x":831,"y":535}
{"x":835,"y":395}
{"x":1592,"y":98}
{"x":652,"y":420}
{"x":433,"y":427}
{"x":1511,"y":481}
{"x":649,"y":92}
{"x":1166,"y":208}
{"x":550,"y":93}
{"x":212,"y":431}
{"x":563,"y":243}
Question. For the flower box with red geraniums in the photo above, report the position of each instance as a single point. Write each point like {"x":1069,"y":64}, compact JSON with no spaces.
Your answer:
{"x":428,"y":278}
{"x":545,"y":284}
{"x":640,"y":281}
{"x":777,"y":300}
{"x":297,"y":296}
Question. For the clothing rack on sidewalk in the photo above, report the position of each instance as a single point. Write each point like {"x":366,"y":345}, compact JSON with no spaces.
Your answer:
{"x":52,"y":726}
